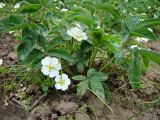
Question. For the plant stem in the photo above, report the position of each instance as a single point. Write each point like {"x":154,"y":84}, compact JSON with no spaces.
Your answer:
{"x":94,"y":53}
{"x":103,"y":58}
{"x":106,"y":65}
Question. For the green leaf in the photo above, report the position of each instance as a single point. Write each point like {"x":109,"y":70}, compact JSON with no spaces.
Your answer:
{"x":108,"y":8}
{"x":129,"y":25}
{"x":12,"y":23}
{"x":101,"y":90}
{"x":60,"y":53}
{"x":82,"y":87}
{"x":143,"y":32}
{"x":37,"y":63}
{"x":83,"y":19}
{"x":97,"y":36}
{"x":30,"y":9}
{"x":148,"y":23}
{"x":41,"y":40}
{"x":96,"y":76}
{"x":29,"y":39}
{"x":134,"y":71}
{"x":79,"y":77}
{"x":91,"y":72}
{"x":36,"y":53}
{"x":150,"y":54}
{"x":80,"y":10}
{"x":31,"y":1}
{"x":107,"y":93}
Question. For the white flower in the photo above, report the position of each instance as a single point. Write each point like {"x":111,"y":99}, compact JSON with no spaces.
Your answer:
{"x":57,"y":8}
{"x":150,"y":29}
{"x":64,"y":10}
{"x":60,"y":2}
{"x":17,"y":5}
{"x":1,"y":61}
{"x":142,"y":40}
{"x":124,"y":11}
{"x":77,"y":33}
{"x":144,"y":14}
{"x":155,"y":16}
{"x":134,"y":46}
{"x":11,"y":32}
{"x":78,"y":25}
{"x":50,"y":66}
{"x":62,"y":82}
{"x":135,"y":8}
{"x":2,"y":5}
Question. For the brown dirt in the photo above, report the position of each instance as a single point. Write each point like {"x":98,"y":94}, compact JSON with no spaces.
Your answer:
{"x":10,"y":112}
{"x":126,"y":104}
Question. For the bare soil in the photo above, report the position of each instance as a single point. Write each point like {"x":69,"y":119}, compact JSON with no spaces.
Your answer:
{"x":126,"y":104}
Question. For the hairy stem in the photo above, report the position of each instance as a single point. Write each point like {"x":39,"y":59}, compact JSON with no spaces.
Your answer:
{"x":94,"y":53}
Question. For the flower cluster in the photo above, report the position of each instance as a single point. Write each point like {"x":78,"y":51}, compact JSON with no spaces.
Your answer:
{"x":51,"y":68}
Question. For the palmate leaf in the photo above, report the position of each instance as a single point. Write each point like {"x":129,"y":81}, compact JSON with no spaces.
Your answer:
{"x":29,"y":39}
{"x":94,"y":82}
{"x":134,"y":71}
{"x":12,"y":22}
{"x":132,"y":26}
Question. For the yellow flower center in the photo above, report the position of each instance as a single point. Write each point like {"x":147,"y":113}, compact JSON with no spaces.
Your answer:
{"x":61,"y":82}
{"x":76,"y":35}
{"x":50,"y":67}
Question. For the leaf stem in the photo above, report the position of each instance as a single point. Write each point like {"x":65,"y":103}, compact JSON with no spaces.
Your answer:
{"x":94,"y":53}
{"x":106,"y":65}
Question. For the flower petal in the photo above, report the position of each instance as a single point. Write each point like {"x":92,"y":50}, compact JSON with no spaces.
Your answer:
{"x":64,"y":76}
{"x":54,"y":61}
{"x":46,"y":61}
{"x":58,"y":86}
{"x":58,"y":66}
{"x":45,"y":70}
{"x":67,"y":81}
{"x":58,"y":78}
{"x":53,"y":73}
{"x":64,"y":87}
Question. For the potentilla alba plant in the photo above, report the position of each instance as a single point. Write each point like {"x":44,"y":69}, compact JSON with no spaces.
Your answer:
{"x":62,"y":82}
{"x":50,"y":66}
{"x":2,"y":5}
{"x":77,"y":33}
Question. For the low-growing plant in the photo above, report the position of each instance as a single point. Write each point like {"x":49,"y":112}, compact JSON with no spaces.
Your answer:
{"x":71,"y":37}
